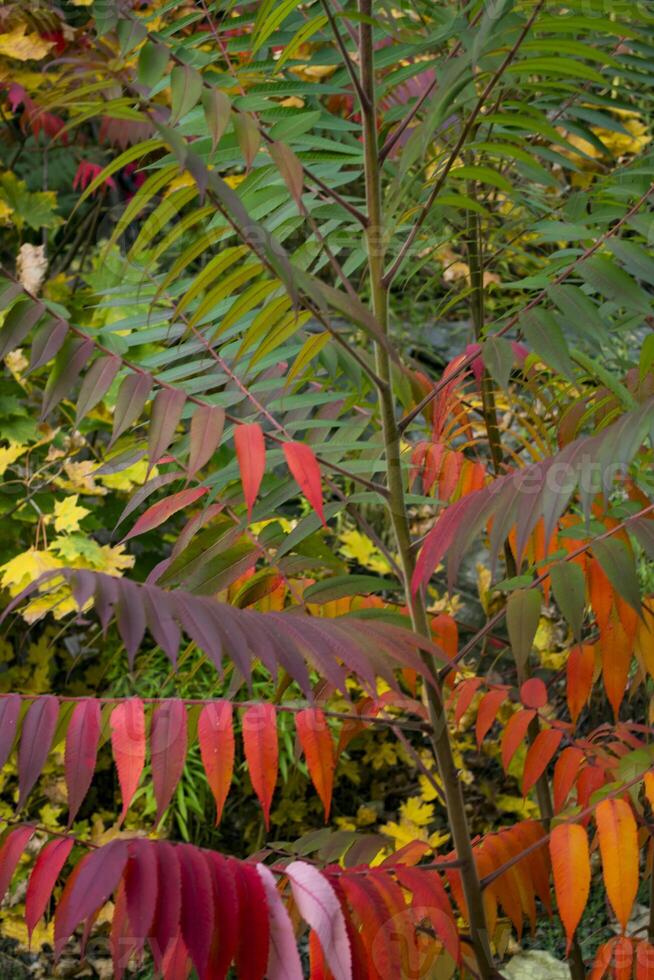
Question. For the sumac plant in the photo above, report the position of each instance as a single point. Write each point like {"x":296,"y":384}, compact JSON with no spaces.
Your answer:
{"x":380,"y":267}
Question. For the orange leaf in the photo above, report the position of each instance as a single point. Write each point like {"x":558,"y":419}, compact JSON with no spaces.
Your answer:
{"x":616,"y":649}
{"x":644,"y":961}
{"x":601,"y":593}
{"x":262,"y":752}
{"x":514,"y":734}
{"x":565,"y":773}
{"x":623,"y":959}
{"x":464,"y":694}
{"x":644,"y":642}
{"x":318,"y":747}
{"x":538,"y":757}
{"x":488,"y":708}
{"x":618,"y":841}
{"x":216,"y":738}
{"x":571,"y":870}
{"x":251,"y":454}
{"x":580,"y":669}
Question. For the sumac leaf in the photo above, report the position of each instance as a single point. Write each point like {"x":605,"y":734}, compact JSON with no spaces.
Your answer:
{"x":571,"y":870}
{"x":216,"y":738}
{"x":164,"y":509}
{"x":304,"y":467}
{"x":261,"y":752}
{"x":320,"y":908}
{"x":36,"y":738}
{"x":166,"y":413}
{"x":82,"y":738}
{"x":207,"y":426}
{"x":43,"y":878}
{"x":97,"y":875}
{"x":12,"y":847}
{"x":251,"y":455}
{"x":128,"y":747}
{"x":167,"y":750}
{"x":132,"y":396}
{"x":318,"y":747}
{"x":96,"y":384}
{"x":618,"y":842}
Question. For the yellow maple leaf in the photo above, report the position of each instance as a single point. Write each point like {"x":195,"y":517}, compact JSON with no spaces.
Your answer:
{"x":417,"y":811}
{"x":20,"y":46}
{"x":22,"y":569}
{"x":10,"y":454}
{"x":67,"y":514}
{"x":357,"y":546}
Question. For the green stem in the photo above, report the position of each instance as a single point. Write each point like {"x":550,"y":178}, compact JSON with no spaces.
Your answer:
{"x":379,"y":293}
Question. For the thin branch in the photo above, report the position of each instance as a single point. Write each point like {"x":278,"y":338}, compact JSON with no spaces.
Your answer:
{"x":351,"y":70}
{"x":463,"y":135}
{"x":469,"y":358}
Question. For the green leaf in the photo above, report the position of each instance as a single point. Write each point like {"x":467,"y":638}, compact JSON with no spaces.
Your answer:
{"x":344,"y":585}
{"x":614,"y":283}
{"x":186,"y":88}
{"x":543,"y":333}
{"x":152,"y":63}
{"x":522,"y":616}
{"x":217,"y":110}
{"x":619,"y":566}
{"x":569,"y":589}
{"x":497,"y":355}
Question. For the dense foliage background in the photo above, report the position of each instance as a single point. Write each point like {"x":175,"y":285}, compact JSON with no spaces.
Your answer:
{"x":326,"y":478}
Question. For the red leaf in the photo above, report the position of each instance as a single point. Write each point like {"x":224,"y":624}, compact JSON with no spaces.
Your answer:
{"x":465,"y":692}
{"x":318,"y":747}
{"x":254,"y":927}
{"x":262,"y":752}
{"x":488,"y":708}
{"x":539,"y":755}
{"x":35,"y":741}
{"x":251,"y":454}
{"x":163,"y":509}
{"x":10,"y":852}
{"x":167,"y":750}
{"x":82,"y":738}
{"x":10,"y":706}
{"x":97,"y":876}
{"x":141,"y":889}
{"x":165,"y":925}
{"x":565,"y":773}
{"x":533,"y":693}
{"x":206,"y":432}
{"x":197,"y":918}
{"x":166,"y":414}
{"x":216,"y":738}
{"x":47,"y":869}
{"x":302,"y":463}
{"x":225,"y":938}
{"x":514,"y":733}
{"x":579,"y":669}
{"x":128,"y":747}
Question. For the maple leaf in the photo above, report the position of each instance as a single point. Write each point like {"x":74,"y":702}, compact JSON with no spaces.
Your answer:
{"x":10,"y":454}
{"x":21,"y":46}
{"x":67,"y":514}
{"x":24,"y":568}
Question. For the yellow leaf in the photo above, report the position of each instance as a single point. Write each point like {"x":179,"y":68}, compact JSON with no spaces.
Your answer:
{"x":417,"y":811}
{"x":10,"y":454}
{"x":20,"y":46}
{"x":25,"y":568}
{"x":67,"y":514}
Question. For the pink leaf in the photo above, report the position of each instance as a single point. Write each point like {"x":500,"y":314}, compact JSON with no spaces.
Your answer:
{"x":283,"y":957}
{"x":304,"y":467}
{"x":320,"y":908}
{"x":10,"y":706}
{"x":166,"y":414}
{"x":168,"y":750}
{"x":81,"y":752}
{"x":86,"y":892}
{"x":10,"y":852}
{"x":141,"y":889}
{"x":163,"y":509}
{"x":43,"y":879}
